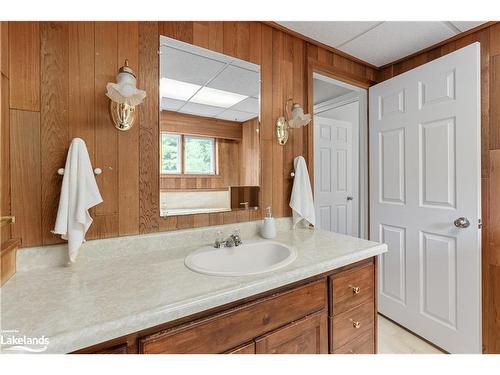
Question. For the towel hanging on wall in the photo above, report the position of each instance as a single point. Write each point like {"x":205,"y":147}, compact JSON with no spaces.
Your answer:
{"x":79,"y":193}
{"x":301,"y":201}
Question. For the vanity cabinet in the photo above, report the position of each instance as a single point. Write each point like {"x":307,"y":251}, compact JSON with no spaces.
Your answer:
{"x":352,"y":310}
{"x":330,"y":313}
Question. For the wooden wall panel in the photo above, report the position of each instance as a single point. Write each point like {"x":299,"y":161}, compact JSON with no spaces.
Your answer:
{"x":26,"y":177}
{"x":197,"y":125}
{"x":128,"y":142}
{"x":4,"y":48}
{"x":24,"y":65}
{"x":250,"y":154}
{"x":106,"y":136}
{"x":149,"y":199}
{"x":5,"y":233}
{"x":54,"y":131}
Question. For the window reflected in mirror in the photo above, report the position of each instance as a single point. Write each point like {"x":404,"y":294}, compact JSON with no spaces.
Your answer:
{"x":209,"y":131}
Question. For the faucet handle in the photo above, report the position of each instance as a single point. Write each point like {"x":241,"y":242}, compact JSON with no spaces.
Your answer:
{"x":219,"y":239}
{"x":236,"y":237}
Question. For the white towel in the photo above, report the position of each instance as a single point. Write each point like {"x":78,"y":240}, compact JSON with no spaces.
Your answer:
{"x":301,"y":201}
{"x":79,"y":192}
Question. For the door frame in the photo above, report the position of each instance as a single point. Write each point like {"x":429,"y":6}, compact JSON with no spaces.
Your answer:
{"x":361,"y":88}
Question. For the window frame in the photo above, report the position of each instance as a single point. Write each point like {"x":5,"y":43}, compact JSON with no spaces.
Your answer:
{"x":181,"y":156}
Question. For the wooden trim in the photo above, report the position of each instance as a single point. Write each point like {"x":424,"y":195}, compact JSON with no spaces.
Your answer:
{"x":439,"y":44}
{"x":296,"y":34}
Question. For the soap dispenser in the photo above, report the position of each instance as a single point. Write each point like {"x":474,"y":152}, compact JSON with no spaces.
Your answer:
{"x":268,"y":229}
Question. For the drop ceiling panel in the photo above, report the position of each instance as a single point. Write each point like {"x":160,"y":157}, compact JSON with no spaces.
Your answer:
{"x":324,"y":91}
{"x":238,"y":80}
{"x":394,"y":40}
{"x":201,"y":109}
{"x":466,"y":25}
{"x":238,"y":116}
{"x":250,"y":105}
{"x":380,"y":42}
{"x":188,"y":67}
{"x":168,"y":104}
{"x":330,"y":33}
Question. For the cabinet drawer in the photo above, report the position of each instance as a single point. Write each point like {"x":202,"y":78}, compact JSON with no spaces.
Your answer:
{"x":351,"y":324}
{"x":364,"y":344}
{"x":352,"y":288}
{"x":226,"y":330}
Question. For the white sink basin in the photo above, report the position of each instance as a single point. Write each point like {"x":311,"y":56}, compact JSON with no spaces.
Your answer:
{"x":250,"y":258}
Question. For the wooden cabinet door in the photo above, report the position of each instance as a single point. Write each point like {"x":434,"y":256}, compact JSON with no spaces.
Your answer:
{"x":305,"y":336}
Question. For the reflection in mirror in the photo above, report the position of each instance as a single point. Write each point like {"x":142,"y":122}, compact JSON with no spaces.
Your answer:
{"x":209,"y":131}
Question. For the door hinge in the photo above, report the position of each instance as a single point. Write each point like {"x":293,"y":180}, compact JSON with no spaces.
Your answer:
{"x":480,"y":224}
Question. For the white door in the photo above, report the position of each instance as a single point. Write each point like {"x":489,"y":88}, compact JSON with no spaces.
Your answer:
{"x":424,"y":175}
{"x":335,"y":176}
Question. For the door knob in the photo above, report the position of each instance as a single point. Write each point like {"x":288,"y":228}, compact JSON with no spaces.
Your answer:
{"x":462,"y":222}
{"x":350,"y":198}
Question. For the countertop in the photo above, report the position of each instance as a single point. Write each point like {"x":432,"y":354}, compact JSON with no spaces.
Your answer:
{"x":85,"y":304}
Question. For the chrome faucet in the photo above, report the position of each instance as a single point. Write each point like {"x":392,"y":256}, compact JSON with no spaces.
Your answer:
{"x":233,"y":240}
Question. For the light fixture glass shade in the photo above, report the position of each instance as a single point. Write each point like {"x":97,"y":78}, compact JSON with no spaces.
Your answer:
{"x":299,"y":119}
{"x":124,"y":91}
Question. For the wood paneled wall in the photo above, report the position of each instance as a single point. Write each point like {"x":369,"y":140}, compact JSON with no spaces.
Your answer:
{"x":5,"y":232}
{"x":490,"y":164}
{"x":58,"y":73}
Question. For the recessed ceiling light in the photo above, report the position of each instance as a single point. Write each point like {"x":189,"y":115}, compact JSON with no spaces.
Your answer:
{"x":173,"y":89}
{"x":217,"y":98}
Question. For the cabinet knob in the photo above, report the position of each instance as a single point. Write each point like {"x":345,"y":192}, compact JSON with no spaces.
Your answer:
{"x":355,"y":289}
{"x":355,"y":324}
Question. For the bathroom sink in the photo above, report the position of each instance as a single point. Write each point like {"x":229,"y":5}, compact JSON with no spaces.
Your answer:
{"x":250,"y":258}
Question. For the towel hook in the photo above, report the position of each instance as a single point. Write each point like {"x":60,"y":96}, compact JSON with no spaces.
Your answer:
{"x":97,"y":171}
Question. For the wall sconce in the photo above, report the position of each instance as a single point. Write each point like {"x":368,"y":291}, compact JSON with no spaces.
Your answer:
{"x":124,"y":97}
{"x":297,"y":119}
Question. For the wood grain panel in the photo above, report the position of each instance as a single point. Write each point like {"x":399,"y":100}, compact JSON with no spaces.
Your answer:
{"x":494,"y":212}
{"x":106,"y":135}
{"x":250,"y":154}
{"x":244,"y":349}
{"x":344,"y":325}
{"x":216,"y":36}
{"x":197,"y":125}
{"x":81,"y":85}
{"x":5,"y":233}
{"x":26,"y":176}
{"x":24,"y":65}
{"x":494,"y":136}
{"x":494,"y":39}
{"x":4,"y":48}
{"x":54,"y":131}
{"x":200,"y":33}
{"x":180,"y":30}
{"x":149,"y":200}
{"x":128,"y":142}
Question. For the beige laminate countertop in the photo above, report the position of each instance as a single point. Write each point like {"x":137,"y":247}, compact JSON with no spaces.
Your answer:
{"x":95,"y":301}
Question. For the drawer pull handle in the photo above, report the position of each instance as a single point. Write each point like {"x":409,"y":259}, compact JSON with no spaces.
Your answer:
{"x":355,"y":289}
{"x":355,"y":324}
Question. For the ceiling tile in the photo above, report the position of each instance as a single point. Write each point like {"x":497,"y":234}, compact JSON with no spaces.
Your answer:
{"x":168,"y":104}
{"x":237,"y":80}
{"x":250,"y":105}
{"x":394,"y":40}
{"x":238,"y":116}
{"x":201,"y":110}
{"x":466,"y":25}
{"x":187,"y":67}
{"x":324,"y":91}
{"x":328,"y":32}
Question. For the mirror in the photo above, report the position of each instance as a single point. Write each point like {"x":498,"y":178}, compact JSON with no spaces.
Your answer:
{"x":209,"y":131}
